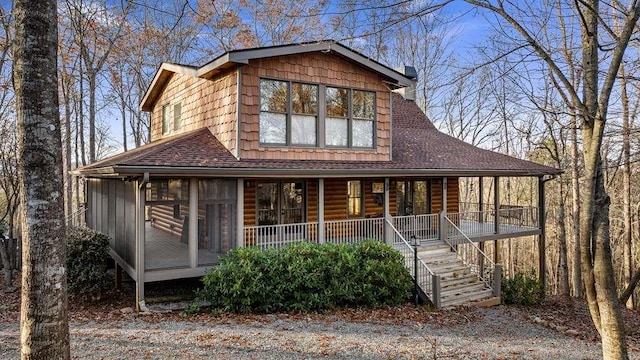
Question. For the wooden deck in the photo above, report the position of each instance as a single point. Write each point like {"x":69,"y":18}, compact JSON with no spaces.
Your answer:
{"x":165,"y":251}
{"x":484,"y":231}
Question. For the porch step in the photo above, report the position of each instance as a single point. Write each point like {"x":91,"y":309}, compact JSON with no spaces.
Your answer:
{"x":465,"y":298}
{"x":458,"y":286}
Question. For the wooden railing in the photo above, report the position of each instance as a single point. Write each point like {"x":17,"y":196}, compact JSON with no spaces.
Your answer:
{"x":474,"y":258}
{"x":423,"y":227}
{"x":280,"y":235}
{"x":353,"y":231}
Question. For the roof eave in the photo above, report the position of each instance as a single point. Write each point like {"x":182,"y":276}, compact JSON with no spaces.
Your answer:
{"x":164,"y":73}
{"x":181,"y":171}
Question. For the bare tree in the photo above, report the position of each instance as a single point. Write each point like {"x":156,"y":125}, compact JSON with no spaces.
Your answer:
{"x":597,"y":266}
{"x":43,"y":318}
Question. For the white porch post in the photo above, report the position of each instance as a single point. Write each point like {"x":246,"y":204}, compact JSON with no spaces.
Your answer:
{"x":388,"y":232}
{"x":321,"y":211}
{"x":496,"y":206}
{"x":193,"y":222}
{"x":444,"y":233}
{"x":240,"y":212}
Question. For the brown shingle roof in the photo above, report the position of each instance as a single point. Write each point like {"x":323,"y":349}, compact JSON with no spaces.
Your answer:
{"x":418,"y":149}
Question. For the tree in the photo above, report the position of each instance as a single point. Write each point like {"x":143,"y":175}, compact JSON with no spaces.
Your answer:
{"x":43,"y":318}
{"x":592,"y":109}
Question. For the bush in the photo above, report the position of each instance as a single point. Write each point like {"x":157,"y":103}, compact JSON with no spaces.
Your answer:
{"x":523,"y":289}
{"x":307,"y":277}
{"x":87,"y":256}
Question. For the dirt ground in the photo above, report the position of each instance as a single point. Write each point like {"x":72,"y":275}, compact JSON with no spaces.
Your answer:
{"x":560,"y":321}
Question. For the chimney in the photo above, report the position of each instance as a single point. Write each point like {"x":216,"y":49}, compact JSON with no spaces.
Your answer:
{"x":409,"y":92}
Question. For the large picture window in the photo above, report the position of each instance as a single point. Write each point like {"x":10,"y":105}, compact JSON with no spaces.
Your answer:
{"x":289,"y":114}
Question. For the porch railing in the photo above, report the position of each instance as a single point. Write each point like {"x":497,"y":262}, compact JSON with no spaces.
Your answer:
{"x":510,"y":219}
{"x":474,"y":258}
{"x":353,"y":231}
{"x":280,"y":235}
{"x":423,"y":227}
{"x":423,"y":276}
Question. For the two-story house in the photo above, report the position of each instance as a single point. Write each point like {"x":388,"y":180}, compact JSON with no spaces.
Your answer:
{"x":303,"y":142}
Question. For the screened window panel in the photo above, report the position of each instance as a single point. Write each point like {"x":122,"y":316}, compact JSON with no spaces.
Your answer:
{"x":273,"y":128}
{"x":336,"y":131}
{"x":303,"y":130}
{"x":177,"y":114}
{"x":362,"y":133}
{"x":165,"y":119}
{"x":354,"y":189}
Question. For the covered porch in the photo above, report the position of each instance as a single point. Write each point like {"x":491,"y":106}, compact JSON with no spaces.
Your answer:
{"x":180,"y":227}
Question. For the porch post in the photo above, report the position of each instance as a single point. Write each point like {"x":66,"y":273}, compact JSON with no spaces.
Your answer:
{"x":496,"y":218}
{"x":240,"y":213}
{"x":140,"y":242}
{"x":480,"y":197}
{"x":541,"y":238}
{"x":321,"y":211}
{"x":193,"y":222}
{"x":388,"y":234}
{"x":444,"y":233}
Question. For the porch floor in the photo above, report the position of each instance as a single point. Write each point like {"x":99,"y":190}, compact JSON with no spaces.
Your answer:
{"x":165,"y":251}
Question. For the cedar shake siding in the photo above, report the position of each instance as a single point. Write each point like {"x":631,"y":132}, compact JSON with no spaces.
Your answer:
{"x":203,"y":103}
{"x":312,"y":68}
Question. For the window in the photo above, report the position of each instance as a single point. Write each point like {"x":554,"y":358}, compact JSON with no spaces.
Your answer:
{"x":354,"y":198}
{"x":273,"y":112}
{"x":165,"y":119}
{"x":337,"y":121}
{"x":171,"y":117}
{"x":345,"y":128}
{"x":177,"y":109}
{"x":289,"y":114}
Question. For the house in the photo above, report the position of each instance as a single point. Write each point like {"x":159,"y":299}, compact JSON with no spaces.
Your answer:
{"x":302,"y":142}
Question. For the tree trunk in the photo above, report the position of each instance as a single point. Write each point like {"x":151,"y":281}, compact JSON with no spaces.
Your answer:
{"x":628,"y":292}
{"x":563,"y":273}
{"x":91,"y":74}
{"x":626,"y":187}
{"x":43,"y":318}
{"x":576,"y":270}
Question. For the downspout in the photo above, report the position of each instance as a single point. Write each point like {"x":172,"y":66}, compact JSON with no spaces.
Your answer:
{"x":140,"y":240}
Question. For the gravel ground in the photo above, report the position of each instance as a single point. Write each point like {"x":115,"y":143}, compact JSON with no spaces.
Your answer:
{"x":496,"y":333}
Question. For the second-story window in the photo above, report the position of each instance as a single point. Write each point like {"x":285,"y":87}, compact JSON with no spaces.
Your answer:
{"x":350,"y":118}
{"x":288,"y":113}
{"x":171,"y":117}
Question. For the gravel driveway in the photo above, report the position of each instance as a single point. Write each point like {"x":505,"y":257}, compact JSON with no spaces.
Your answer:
{"x":499,"y":332}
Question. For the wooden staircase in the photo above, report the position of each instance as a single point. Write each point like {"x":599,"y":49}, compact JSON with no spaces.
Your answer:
{"x":458,"y":285}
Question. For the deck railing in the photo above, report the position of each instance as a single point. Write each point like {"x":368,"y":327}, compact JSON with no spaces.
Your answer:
{"x":474,"y":258}
{"x":423,"y":227}
{"x":353,"y":231}
{"x":424,"y":277}
{"x":280,"y":235}
{"x":77,"y":218}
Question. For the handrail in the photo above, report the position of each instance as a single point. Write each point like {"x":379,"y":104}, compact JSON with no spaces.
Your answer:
{"x":81,"y":210}
{"x":492,"y":265}
{"x":425,"y":281}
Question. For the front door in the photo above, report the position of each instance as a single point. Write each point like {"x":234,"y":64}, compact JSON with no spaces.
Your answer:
{"x":412,"y":197}
{"x":280,"y":202}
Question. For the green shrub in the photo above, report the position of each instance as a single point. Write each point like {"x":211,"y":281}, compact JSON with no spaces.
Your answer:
{"x":87,"y":256}
{"x":523,"y":289}
{"x":307,"y":277}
